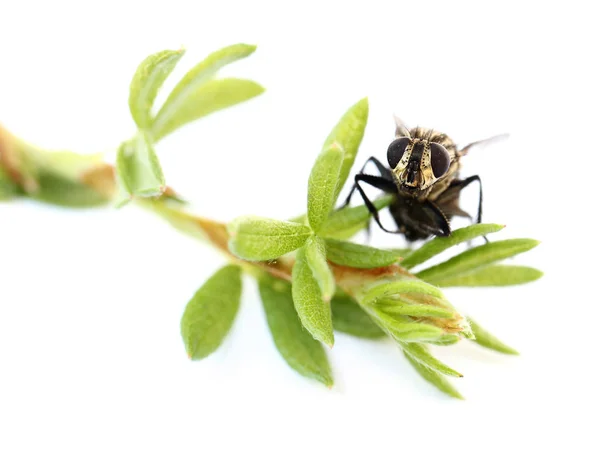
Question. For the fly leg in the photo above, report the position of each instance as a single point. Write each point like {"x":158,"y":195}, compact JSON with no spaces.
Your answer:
{"x":457,"y":185}
{"x":381,"y":183}
{"x":384,"y":171}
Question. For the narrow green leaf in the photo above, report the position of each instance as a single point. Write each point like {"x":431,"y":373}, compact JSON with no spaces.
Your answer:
{"x":147,"y":80}
{"x":433,"y":377}
{"x":358,"y":256}
{"x":445,"y":340}
{"x":315,"y":256}
{"x":420,"y":353}
{"x":380,"y":290}
{"x":212,"y":96}
{"x":401,"y":253}
{"x":476,"y":257}
{"x":299,"y":349}
{"x":349,"y":317}
{"x":61,"y":191}
{"x":260,"y":239}
{"x":485,"y":339}
{"x":347,"y":135}
{"x":403,"y":329}
{"x":210,"y":313}
{"x":322,"y":184}
{"x":138,"y":168}
{"x":439,"y":244}
{"x":493,"y":276}
{"x":351,"y":219}
{"x":416,"y":310}
{"x":184,"y":92}
{"x":314,"y":313}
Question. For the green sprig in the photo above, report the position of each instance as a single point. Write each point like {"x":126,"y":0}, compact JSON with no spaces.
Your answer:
{"x":312,"y":281}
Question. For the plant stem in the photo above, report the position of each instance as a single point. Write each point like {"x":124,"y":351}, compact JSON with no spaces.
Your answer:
{"x":17,"y":158}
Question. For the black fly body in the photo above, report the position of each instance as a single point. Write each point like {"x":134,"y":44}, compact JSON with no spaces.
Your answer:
{"x":423,"y":175}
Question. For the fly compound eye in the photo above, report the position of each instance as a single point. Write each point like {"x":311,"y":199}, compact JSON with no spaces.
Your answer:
{"x":396,"y":150}
{"x":440,"y":160}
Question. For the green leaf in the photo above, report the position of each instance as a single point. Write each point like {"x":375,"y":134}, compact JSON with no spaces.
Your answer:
{"x":347,"y":135}
{"x":420,"y":353}
{"x":315,"y":256}
{"x":184,"y":96}
{"x":260,"y":239}
{"x":403,"y":329}
{"x":147,"y":80}
{"x":210,"y":313}
{"x":348,"y":317}
{"x":380,"y":290}
{"x":138,"y":169}
{"x":299,"y":349}
{"x":358,"y":256}
{"x":401,"y":253}
{"x":433,"y":377}
{"x":322,"y":184}
{"x":445,"y":340}
{"x":439,"y":244}
{"x":61,"y":191}
{"x":475,"y":258}
{"x":314,"y":313}
{"x":348,"y":221}
{"x":493,"y":276}
{"x":212,"y":96}
{"x":398,"y":307}
{"x":485,"y":339}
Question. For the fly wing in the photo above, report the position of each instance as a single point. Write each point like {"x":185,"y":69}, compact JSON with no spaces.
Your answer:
{"x":448,"y":202}
{"x":480,"y":143}
{"x":402,"y":129}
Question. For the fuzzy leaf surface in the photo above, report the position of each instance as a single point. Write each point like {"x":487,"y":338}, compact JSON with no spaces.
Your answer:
{"x":475,"y":258}
{"x":348,"y":134}
{"x":314,"y":313}
{"x":212,"y":96}
{"x":420,"y":353}
{"x":260,"y":239}
{"x":486,"y":339}
{"x":349,"y":317}
{"x":439,"y":244}
{"x":346,"y":222}
{"x":299,"y":349}
{"x":493,"y":276}
{"x":315,"y":256}
{"x":138,"y":168}
{"x":147,"y":80}
{"x":433,"y":377}
{"x":405,"y":330}
{"x":358,"y":256}
{"x":210,"y":313}
{"x":383,"y":290}
{"x":322,"y":185}
{"x":175,"y":105}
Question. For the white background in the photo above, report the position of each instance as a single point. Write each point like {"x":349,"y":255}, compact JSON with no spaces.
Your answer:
{"x":91,"y":360}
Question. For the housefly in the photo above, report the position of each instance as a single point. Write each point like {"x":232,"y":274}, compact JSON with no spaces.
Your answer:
{"x":423,"y":175}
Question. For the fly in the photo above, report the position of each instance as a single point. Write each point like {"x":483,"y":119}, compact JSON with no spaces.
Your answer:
{"x":423,"y":175}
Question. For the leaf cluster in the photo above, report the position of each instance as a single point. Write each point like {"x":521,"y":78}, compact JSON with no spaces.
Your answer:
{"x":199,"y":93}
{"x":362,"y":290}
{"x":313,"y":281}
